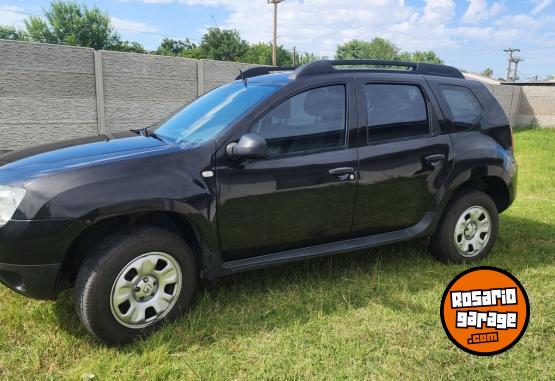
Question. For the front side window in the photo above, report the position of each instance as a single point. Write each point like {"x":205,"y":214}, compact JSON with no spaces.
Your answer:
{"x":395,"y":111}
{"x":312,"y":120}
{"x":464,"y":106}
{"x":204,"y":118}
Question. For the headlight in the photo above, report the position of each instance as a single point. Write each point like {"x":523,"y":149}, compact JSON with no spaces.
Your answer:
{"x":10,"y":198}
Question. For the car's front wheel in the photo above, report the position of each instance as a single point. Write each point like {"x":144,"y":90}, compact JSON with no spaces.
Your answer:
{"x":133,"y":281}
{"x":468,"y":229}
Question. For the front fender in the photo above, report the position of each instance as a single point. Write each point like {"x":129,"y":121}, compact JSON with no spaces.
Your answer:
{"x":165,"y":183}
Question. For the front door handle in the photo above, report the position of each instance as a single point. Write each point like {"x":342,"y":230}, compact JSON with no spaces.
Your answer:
{"x":343,"y":173}
{"x":435,"y":159}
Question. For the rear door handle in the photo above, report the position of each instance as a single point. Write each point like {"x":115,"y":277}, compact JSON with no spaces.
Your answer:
{"x":343,"y":173}
{"x":435,"y":159}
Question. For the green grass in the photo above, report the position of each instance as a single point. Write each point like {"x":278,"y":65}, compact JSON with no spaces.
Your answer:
{"x":369,"y":315}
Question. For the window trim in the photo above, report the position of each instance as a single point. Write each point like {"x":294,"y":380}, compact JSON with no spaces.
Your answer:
{"x":300,"y":91}
{"x":463,"y":126}
{"x":428,"y":113}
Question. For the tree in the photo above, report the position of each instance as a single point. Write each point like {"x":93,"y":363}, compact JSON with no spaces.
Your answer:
{"x":223,"y":45}
{"x":261,"y":53}
{"x":304,"y":58}
{"x":171,"y":47}
{"x":11,"y":33}
{"x":73,"y":24}
{"x":425,"y":56}
{"x":126,"y":46}
{"x":487,"y":73}
{"x":378,"y":48}
{"x":382,"y":49}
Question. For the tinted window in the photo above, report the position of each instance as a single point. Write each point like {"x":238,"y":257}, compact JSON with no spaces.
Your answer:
{"x":314,"y":119}
{"x":395,"y":112}
{"x":464,"y":106}
{"x":204,"y":118}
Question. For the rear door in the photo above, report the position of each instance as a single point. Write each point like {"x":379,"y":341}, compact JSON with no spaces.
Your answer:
{"x":404,"y":155}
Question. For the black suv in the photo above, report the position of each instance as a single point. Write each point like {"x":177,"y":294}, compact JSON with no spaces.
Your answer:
{"x":280,"y":165}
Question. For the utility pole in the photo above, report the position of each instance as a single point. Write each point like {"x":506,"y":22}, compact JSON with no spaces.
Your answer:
{"x":274,"y":50}
{"x":294,"y":56}
{"x":512,"y":75}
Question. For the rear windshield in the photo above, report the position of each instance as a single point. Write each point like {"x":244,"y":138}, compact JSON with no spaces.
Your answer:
{"x":204,"y":118}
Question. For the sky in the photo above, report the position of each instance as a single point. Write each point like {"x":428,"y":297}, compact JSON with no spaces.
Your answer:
{"x":468,"y":34}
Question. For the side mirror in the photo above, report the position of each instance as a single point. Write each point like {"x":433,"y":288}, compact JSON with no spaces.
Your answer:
{"x":250,"y":146}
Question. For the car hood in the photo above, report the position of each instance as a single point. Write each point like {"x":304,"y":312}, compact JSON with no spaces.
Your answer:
{"x":26,"y":164}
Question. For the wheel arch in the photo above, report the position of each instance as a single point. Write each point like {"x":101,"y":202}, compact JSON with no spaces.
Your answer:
{"x":494,"y":186}
{"x":101,"y":228}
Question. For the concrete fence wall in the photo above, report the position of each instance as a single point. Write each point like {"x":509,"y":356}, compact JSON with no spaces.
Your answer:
{"x":52,"y":92}
{"x":537,"y":106}
{"x":46,"y":93}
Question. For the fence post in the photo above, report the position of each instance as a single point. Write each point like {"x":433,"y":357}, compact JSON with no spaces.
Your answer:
{"x":519,"y":95}
{"x":200,"y":78}
{"x":99,"y":79}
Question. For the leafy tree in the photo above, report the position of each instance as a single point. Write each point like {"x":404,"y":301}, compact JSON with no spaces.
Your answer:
{"x":11,"y":33}
{"x":425,"y":56}
{"x":305,"y":58}
{"x":382,"y":49}
{"x":223,"y":45}
{"x":261,"y":53}
{"x":550,"y":78}
{"x":378,"y":48}
{"x":171,"y":47}
{"x":73,"y":24}
{"x":487,"y":73}
{"x":126,"y":46}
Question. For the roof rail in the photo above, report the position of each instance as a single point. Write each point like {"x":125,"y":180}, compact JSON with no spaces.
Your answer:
{"x":329,"y":67}
{"x":263,"y":70}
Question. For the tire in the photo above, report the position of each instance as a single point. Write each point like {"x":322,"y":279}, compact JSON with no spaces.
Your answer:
{"x":120,"y":268}
{"x":462,"y":234}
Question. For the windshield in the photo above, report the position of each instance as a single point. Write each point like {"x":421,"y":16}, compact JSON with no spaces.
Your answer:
{"x":204,"y":118}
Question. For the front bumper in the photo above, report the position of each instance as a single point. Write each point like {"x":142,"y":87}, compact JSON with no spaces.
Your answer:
{"x":34,"y":281}
{"x":31,"y":254}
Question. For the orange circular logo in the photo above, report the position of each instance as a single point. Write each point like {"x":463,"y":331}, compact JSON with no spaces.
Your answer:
{"x":485,"y":311}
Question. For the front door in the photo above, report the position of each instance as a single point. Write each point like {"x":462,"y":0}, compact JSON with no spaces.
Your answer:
{"x":303,"y":193}
{"x":404,"y":156}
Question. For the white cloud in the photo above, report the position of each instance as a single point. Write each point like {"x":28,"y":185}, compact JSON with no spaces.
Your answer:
{"x":11,"y":15}
{"x":133,"y":26}
{"x":479,"y":10}
{"x":320,"y":25}
{"x":438,"y":11}
{"x":541,"y":5}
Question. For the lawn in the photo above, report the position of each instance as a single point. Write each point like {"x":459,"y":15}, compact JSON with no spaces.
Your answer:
{"x":367,"y":315}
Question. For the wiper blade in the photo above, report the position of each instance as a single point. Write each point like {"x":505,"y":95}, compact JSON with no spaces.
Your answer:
{"x":155,"y":136}
{"x":146,"y":133}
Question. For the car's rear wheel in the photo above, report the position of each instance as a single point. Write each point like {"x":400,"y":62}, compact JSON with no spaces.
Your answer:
{"x":133,"y":281}
{"x":468,"y":229}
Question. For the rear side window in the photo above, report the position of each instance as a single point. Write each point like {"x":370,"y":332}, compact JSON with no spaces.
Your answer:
{"x":312,"y":120}
{"x":395,"y":111}
{"x":465,"y":108}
